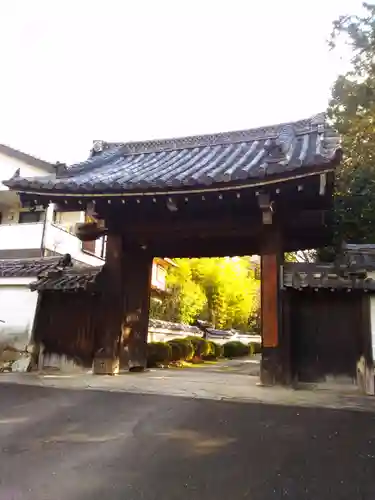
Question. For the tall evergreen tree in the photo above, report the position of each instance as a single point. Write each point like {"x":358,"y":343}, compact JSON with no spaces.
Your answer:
{"x":352,"y":112}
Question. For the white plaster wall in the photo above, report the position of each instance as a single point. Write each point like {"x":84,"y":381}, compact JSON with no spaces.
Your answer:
{"x":29,"y":236}
{"x":9,"y":165}
{"x":60,"y":241}
{"x":21,"y":236}
{"x":17,"y":309}
{"x":56,"y":239}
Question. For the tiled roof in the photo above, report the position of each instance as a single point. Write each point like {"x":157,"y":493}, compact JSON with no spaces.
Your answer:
{"x":68,"y":280}
{"x":190,"y":162}
{"x":360,"y":255}
{"x":16,"y":268}
{"x":302,"y":276}
{"x":158,"y":324}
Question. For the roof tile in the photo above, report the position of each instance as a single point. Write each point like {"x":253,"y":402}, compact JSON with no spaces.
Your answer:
{"x":303,"y":276}
{"x":16,"y":268}
{"x":195,"y":161}
{"x":68,"y":280}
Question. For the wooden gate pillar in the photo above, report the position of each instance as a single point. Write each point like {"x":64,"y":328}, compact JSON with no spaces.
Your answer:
{"x":125,"y":284}
{"x":111,"y":308}
{"x":272,"y":364}
{"x":137,"y":286}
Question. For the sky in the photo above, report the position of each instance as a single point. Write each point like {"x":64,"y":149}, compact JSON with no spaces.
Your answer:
{"x":75,"y":71}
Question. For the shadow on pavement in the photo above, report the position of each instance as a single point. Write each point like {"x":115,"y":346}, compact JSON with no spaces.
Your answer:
{"x":89,"y":445}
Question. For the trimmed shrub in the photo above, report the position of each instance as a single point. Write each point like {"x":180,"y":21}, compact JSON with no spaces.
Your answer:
{"x":182,"y":349}
{"x":251,"y":349}
{"x":236,"y":349}
{"x":186,"y":348}
{"x":177,"y":350}
{"x":216,"y":351}
{"x":158,"y":353}
{"x":256,"y":347}
{"x":201,"y":347}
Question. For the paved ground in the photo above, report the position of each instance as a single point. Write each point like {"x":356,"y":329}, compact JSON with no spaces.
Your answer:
{"x":227,"y":380}
{"x":89,"y":445}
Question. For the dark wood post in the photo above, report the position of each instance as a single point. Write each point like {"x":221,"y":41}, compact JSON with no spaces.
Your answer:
{"x":137,"y":278}
{"x":272,"y":365}
{"x":111,"y":308}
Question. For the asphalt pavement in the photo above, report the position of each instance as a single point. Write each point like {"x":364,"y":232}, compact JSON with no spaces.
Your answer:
{"x":76,"y":444}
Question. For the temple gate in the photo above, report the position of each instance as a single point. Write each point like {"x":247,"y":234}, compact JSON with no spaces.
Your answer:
{"x":262,"y":191}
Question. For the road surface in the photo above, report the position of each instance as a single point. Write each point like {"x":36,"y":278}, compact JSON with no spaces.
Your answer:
{"x":88,"y":445}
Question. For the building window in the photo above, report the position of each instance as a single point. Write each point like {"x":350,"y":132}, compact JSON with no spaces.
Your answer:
{"x":30,"y":217}
{"x":89,"y":246}
{"x":161,"y":275}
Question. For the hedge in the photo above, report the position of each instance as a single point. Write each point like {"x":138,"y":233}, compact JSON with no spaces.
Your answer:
{"x":192,"y":348}
{"x":216,"y":351}
{"x":185,"y":349}
{"x":256,"y":347}
{"x":188,"y":348}
{"x":201,"y":346}
{"x":235,"y":349}
{"x":176,"y":351}
{"x":182,"y":349}
{"x":158,"y":353}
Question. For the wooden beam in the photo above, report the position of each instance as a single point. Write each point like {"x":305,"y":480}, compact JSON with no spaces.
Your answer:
{"x":267,"y":207}
{"x":210,"y":247}
{"x":272,"y":369}
{"x":271,"y":260}
{"x":200,"y":224}
{"x":236,"y":247}
{"x":246,"y":226}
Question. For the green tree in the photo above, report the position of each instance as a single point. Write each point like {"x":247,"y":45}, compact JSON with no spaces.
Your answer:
{"x":230,"y":287}
{"x":222,"y":291}
{"x":186,"y":299}
{"x":352,"y":112}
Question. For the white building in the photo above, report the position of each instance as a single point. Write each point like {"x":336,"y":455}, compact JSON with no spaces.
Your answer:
{"x":40,"y":233}
{"x":26,"y":237}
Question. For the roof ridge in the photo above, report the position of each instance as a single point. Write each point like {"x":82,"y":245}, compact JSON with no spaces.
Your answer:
{"x":75,"y":270}
{"x":186,"y":163}
{"x":31,"y":259}
{"x":300,"y":127}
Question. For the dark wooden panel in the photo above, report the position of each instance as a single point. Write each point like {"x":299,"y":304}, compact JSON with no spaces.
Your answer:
{"x":270,"y":302}
{"x":271,"y":258}
{"x":66,"y":325}
{"x":327,"y":333}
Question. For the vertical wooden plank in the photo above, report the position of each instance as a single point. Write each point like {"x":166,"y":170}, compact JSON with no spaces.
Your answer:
{"x":111,"y":306}
{"x":366,"y":333}
{"x":137,"y":278}
{"x":270,"y":299}
{"x":270,"y":262}
{"x":285,"y":333}
{"x":273,"y":366}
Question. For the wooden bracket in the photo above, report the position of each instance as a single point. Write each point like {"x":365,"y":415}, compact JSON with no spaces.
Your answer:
{"x":266,"y":206}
